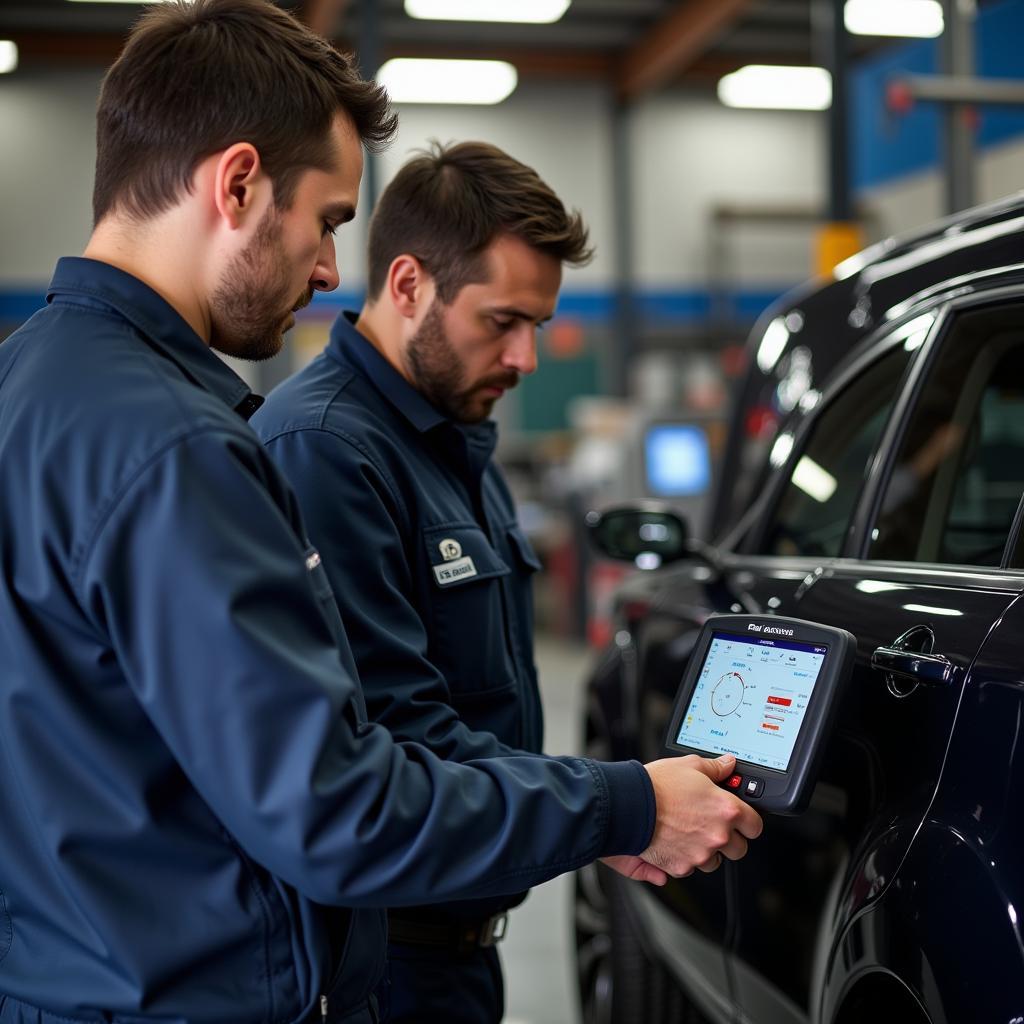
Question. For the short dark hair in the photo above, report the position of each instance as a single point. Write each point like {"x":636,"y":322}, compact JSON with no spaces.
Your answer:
{"x":196,"y":77}
{"x":448,"y":204}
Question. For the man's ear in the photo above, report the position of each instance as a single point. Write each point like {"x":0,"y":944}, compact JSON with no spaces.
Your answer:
{"x":238,"y":183}
{"x":409,"y":287}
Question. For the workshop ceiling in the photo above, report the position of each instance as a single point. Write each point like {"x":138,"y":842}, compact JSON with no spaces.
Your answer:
{"x":638,"y":45}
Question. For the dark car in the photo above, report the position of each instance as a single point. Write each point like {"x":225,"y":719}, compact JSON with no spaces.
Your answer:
{"x":872,"y":480}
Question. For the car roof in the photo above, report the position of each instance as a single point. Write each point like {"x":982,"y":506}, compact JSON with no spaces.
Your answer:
{"x":825,"y":321}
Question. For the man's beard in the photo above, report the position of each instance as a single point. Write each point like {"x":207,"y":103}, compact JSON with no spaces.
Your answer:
{"x":250,"y":308}
{"x":439,"y":376}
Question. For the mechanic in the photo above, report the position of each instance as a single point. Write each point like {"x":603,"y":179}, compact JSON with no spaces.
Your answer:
{"x":198,"y":822}
{"x":386,"y":440}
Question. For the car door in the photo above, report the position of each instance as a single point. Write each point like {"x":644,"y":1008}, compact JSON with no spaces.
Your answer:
{"x":919,"y":584}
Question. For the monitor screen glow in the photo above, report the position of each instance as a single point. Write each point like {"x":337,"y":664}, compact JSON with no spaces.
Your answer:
{"x":677,"y":460}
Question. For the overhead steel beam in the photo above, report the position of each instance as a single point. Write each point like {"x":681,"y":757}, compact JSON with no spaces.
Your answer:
{"x":1007,"y":92}
{"x":323,"y":16}
{"x":38,"y":48}
{"x":674,"y":43}
{"x":530,"y":63}
{"x":68,"y":48}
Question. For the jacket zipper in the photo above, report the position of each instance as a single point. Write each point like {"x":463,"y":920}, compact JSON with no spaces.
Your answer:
{"x":323,"y":1009}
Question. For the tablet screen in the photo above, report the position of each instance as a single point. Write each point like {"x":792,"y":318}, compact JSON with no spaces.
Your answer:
{"x":751,"y":697}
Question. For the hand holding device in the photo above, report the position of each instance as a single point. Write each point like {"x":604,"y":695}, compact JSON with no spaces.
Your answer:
{"x":698,"y":821}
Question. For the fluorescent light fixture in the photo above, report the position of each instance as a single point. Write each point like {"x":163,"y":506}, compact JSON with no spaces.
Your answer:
{"x":534,"y":12}
{"x":771,"y":87}
{"x":479,"y":82}
{"x":772,"y":344}
{"x":8,"y":56}
{"x":813,"y":480}
{"x":920,"y":19}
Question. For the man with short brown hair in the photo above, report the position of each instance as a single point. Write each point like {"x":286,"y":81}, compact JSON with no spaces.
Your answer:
{"x":197,"y":823}
{"x":386,"y":439}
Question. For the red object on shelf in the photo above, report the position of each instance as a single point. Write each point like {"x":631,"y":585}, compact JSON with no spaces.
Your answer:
{"x":899,"y":98}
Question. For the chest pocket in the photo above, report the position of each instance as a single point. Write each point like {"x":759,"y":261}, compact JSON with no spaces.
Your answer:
{"x":467,"y":638}
{"x":459,"y":555}
{"x":524,"y":549}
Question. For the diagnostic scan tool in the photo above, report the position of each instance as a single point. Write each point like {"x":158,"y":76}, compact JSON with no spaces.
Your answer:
{"x":764,"y":689}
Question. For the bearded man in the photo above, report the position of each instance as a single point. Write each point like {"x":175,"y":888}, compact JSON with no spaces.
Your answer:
{"x":387,"y":442}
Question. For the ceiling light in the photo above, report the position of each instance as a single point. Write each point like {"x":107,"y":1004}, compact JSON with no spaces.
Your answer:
{"x":918,"y":18}
{"x":768,"y":87}
{"x":536,"y":12}
{"x":415,"y":80}
{"x":8,"y":56}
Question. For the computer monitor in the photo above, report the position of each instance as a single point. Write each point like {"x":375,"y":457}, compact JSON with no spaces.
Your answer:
{"x":677,"y":460}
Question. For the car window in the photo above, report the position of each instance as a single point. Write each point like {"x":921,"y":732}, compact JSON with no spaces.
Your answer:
{"x":959,"y":473}
{"x":825,"y":480}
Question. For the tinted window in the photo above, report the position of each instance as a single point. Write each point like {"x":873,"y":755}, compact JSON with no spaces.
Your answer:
{"x":959,"y":474}
{"x":826,"y":478}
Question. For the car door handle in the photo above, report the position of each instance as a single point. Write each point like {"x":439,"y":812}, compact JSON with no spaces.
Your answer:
{"x":932,"y":669}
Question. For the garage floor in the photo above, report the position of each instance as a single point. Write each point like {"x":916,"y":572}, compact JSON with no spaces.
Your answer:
{"x":538,"y":951}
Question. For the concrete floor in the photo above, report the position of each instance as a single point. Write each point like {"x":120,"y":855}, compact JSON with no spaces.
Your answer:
{"x":539,"y":972}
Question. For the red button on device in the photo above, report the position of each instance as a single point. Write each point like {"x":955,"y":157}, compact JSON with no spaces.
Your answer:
{"x":735,"y":782}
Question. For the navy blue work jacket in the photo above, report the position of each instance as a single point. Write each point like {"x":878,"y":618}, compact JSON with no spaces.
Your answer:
{"x":430,"y":568}
{"x":192,"y":797}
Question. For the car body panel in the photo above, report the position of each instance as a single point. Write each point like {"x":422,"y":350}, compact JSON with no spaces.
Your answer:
{"x":881,"y":770}
{"x":902,"y":884}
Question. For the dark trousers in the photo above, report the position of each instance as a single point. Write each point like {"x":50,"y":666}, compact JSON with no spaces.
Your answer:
{"x":430,"y":985}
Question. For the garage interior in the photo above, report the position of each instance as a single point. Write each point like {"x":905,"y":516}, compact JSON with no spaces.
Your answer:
{"x":705,"y":208}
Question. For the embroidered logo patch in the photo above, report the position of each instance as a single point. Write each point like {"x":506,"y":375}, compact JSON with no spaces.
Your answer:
{"x":450,"y":549}
{"x":452,"y":572}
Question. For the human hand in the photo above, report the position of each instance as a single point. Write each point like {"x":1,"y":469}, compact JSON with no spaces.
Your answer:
{"x":698,"y":823}
{"x":636,"y":868}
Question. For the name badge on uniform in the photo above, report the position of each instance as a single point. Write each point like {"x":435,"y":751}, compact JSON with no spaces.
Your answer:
{"x":455,"y":567}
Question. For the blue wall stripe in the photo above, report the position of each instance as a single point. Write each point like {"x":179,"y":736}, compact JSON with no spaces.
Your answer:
{"x":654,"y":306}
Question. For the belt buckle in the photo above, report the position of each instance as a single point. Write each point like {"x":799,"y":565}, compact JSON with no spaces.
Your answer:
{"x":493,"y":931}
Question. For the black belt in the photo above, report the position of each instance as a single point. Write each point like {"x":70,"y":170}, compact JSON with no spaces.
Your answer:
{"x":461,"y":936}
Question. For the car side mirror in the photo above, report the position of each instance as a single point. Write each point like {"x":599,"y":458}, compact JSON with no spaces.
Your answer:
{"x":644,"y":536}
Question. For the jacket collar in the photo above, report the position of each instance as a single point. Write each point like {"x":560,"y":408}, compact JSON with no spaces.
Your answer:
{"x":352,"y":349}
{"x":158,"y":321}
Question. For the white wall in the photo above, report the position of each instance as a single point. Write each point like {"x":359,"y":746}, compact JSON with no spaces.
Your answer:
{"x":562,"y":131}
{"x":917,"y":199}
{"x":47,"y":153}
{"x":687,"y":155}
{"x":692,"y":154}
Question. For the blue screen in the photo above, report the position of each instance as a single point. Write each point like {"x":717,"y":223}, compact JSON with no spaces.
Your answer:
{"x":677,"y":460}
{"x":751,"y":698}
